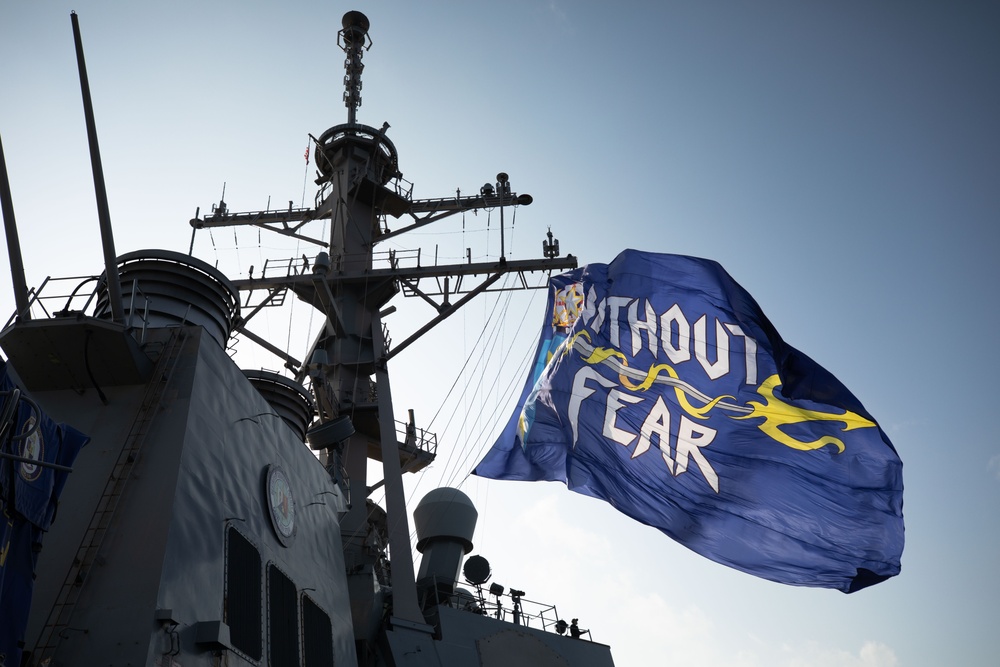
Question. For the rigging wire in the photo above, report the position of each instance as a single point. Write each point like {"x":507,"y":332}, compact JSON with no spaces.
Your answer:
{"x":486,"y":329}
{"x":477,"y":378}
{"x":489,"y":215}
{"x":291,"y":308}
{"x":291,"y":263}
{"x":465,"y":393}
{"x":490,"y":425}
{"x":305,"y":173}
{"x":477,"y":453}
{"x":513,"y":220}
{"x":310,"y":335}
{"x":490,"y":386}
{"x":236,"y":248}
{"x":500,"y":410}
{"x":262,"y":263}
{"x":465,"y":428}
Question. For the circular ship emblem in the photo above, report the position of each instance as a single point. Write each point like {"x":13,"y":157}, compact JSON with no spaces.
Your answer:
{"x":33,"y":448}
{"x":281,"y":504}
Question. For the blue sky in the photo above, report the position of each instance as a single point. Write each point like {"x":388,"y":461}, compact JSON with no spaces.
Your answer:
{"x":839,"y":159}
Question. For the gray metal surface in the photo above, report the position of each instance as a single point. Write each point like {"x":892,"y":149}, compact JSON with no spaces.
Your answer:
{"x":166,"y":288}
{"x":159,"y":574}
{"x":445,"y":522}
{"x":289,"y":399}
{"x":74,"y":352}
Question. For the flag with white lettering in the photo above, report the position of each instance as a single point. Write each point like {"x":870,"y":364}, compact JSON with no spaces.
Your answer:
{"x":660,"y":387}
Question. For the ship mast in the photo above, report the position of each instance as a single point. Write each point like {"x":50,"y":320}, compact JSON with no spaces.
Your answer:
{"x":360,"y":184}
{"x":354,"y":159}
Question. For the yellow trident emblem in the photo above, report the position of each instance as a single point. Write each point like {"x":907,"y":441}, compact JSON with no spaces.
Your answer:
{"x":775,"y":412}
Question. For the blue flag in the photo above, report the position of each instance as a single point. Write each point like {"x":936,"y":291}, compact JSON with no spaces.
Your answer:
{"x":29,"y":494}
{"x":660,"y":387}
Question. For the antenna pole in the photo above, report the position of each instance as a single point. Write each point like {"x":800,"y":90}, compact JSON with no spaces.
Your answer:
{"x":503,"y":190}
{"x":13,"y":244}
{"x":355,"y":35}
{"x":103,"y":214}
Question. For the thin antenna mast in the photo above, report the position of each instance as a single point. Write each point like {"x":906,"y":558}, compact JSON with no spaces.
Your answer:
{"x":13,"y":244}
{"x":103,"y":214}
{"x":356,"y":41}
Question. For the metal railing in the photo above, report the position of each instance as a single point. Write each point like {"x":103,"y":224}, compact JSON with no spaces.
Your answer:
{"x":68,"y":293}
{"x":510,"y":606}
{"x":416,"y":437}
{"x":78,"y":295}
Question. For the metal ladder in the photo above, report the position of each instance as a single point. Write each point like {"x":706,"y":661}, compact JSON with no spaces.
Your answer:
{"x":62,"y":609}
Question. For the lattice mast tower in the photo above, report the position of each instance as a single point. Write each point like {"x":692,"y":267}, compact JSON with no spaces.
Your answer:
{"x":360,"y":185}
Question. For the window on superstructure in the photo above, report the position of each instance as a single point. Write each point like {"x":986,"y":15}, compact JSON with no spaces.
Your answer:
{"x":242,"y":603}
{"x":317,"y":635}
{"x":283,"y":619}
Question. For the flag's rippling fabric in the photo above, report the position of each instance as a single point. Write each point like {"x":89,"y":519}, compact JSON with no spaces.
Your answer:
{"x":660,"y":387}
{"x":29,"y":494}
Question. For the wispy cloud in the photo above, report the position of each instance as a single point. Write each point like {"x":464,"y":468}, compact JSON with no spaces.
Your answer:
{"x":872,"y":654}
{"x":653,"y":631}
{"x":558,"y":12}
{"x":875,"y":654}
{"x":994,"y":466}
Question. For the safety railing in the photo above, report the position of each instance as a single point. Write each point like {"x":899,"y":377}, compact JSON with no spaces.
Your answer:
{"x":78,"y":295}
{"x":511,"y":606}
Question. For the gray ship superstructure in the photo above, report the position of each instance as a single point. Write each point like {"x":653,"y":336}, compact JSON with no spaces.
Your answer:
{"x":222,"y":517}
